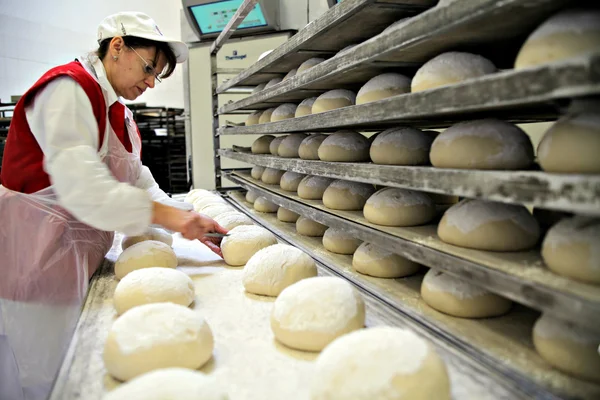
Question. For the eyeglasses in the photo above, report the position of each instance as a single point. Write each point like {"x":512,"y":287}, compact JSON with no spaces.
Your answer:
{"x":148,"y":69}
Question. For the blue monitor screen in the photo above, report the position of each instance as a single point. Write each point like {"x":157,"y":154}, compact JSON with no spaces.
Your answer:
{"x":213,"y":17}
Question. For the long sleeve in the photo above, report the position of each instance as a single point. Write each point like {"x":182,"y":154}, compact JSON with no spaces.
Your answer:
{"x":146,"y":181}
{"x":63,"y":123}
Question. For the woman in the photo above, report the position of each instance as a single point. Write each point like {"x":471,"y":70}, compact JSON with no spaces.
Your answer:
{"x":72,"y":175}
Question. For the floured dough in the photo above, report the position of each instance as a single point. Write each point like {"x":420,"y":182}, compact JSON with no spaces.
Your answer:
{"x":347,"y":195}
{"x":254,"y":118}
{"x":290,"y":181}
{"x":376,"y":261}
{"x":251,"y":196}
{"x":257,"y":171}
{"x":285,"y":215}
{"x":401,"y":146}
{"x":312,"y":187}
{"x":383,"y":86}
{"x":215,"y":210}
{"x":450,"y":68}
{"x":459,"y":298}
{"x":203,"y":202}
{"x":487,"y":225}
{"x":154,"y":336}
{"x":149,"y":253}
{"x":263,"y":205}
{"x":243,"y":242}
{"x":261,"y":145}
{"x":339,"y":242}
{"x":274,"y":148}
{"x":289,"y":146}
{"x":284,"y":111}
{"x":159,"y":235}
{"x":309,"y":148}
{"x":195,"y":194}
{"x":276,"y":267}
{"x":273,"y":82}
{"x":380,"y":363}
{"x":399,"y":207}
{"x":265,"y":117}
{"x":153,"y":285}
{"x":345,"y":146}
{"x":230,"y":220}
{"x":333,"y":99}
{"x":308,"y":64}
{"x":272,"y":176}
{"x":291,"y":74}
{"x":313,"y":312}
{"x":305,"y":107}
{"x":308,"y":227}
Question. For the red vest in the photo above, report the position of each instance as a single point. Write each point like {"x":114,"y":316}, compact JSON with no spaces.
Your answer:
{"x":23,"y":160}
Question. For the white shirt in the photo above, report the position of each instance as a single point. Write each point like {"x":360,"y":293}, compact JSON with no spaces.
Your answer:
{"x":63,"y":123}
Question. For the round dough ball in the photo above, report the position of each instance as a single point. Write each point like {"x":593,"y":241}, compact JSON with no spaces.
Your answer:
{"x":345,"y":146}
{"x":568,"y":347}
{"x":305,"y":107}
{"x":243,"y":242}
{"x":332,"y":100}
{"x":153,"y":285}
{"x":487,"y":225}
{"x":376,"y":261}
{"x":263,"y":205}
{"x":313,"y":312}
{"x":399,"y":207}
{"x":456,"y":297}
{"x":572,"y":145}
{"x":196,"y":194}
{"x":169,"y":383}
{"x":276,"y":267}
{"x":272,"y":176}
{"x":274,"y":147}
{"x":567,"y":34}
{"x":347,"y":195}
{"x":312,"y":187}
{"x":273,"y":82}
{"x":401,"y":146}
{"x":265,"y":117}
{"x":154,"y":336}
{"x":450,"y":68}
{"x":572,"y":248}
{"x":339,"y":242}
{"x":203,"y":202}
{"x":285,"y":215}
{"x":254,"y":118}
{"x":215,"y":210}
{"x":149,"y":253}
{"x":308,"y":64}
{"x":290,"y":181}
{"x":291,"y":74}
{"x":157,"y":234}
{"x":251,"y":196}
{"x":230,"y":220}
{"x":261,"y":145}
{"x":308,"y":227}
{"x":482,"y":144}
{"x":383,"y":86}
{"x":259,"y":88}
{"x":257,"y":171}
{"x":284,"y":111}
{"x":309,"y":148}
{"x":289,"y":146}
{"x":380,"y":363}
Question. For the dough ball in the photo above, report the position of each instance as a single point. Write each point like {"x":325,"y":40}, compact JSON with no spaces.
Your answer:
{"x":257,"y":171}
{"x":254,"y":118}
{"x":243,"y":242}
{"x":305,"y":107}
{"x":284,"y":111}
{"x":159,"y":235}
{"x":339,"y":242}
{"x":276,"y":267}
{"x":399,"y":207}
{"x":273,"y":82}
{"x":230,"y":220}
{"x":401,"y":146}
{"x":568,"y":347}
{"x":261,"y":145}
{"x":572,"y":145}
{"x":196,"y":194}
{"x":332,"y":100}
{"x":251,"y":196}
{"x":153,"y":285}
{"x":487,"y":225}
{"x":154,"y":336}
{"x":450,"y":68}
{"x":149,"y":253}
{"x":203,"y":202}
{"x":383,"y":86}
{"x":289,"y":146}
{"x":345,"y":146}
{"x":309,"y":148}
{"x":264,"y":54}
{"x":272,"y":176}
{"x":347,"y":195}
{"x":291,"y":74}
{"x":376,"y":261}
{"x":263,"y":205}
{"x":169,"y":383}
{"x":274,"y":147}
{"x":308,"y":64}
{"x":567,"y":34}
{"x":380,"y":363}
{"x":259,"y":88}
{"x":459,"y":298}
{"x":482,"y":144}
{"x":285,"y":215}
{"x":312,"y":187}
{"x":572,"y":248}
{"x":308,"y":227}
{"x":312,"y":313}
{"x":443,"y":199}
{"x":265,"y":117}
{"x":215,"y":210}
{"x":290,"y":181}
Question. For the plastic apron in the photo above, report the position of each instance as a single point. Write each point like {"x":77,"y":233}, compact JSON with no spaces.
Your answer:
{"x":46,"y":260}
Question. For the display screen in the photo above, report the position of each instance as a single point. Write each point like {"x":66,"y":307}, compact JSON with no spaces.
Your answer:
{"x":213,"y":17}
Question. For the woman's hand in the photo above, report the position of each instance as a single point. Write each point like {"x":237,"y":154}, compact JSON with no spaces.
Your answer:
{"x":190,"y":224}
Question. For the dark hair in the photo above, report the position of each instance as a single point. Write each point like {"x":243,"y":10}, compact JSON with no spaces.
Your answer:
{"x":136,"y":42}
